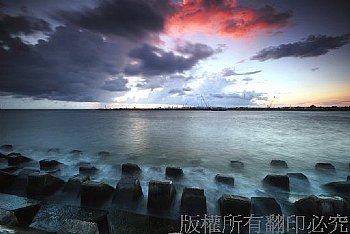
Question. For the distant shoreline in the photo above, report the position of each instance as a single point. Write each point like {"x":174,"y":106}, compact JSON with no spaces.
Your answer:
{"x":234,"y":109}
{"x":346,"y":108}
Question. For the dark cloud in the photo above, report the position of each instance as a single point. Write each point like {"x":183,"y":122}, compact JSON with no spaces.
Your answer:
{"x":71,"y":66}
{"x":152,"y":60}
{"x":312,"y":46}
{"x":227,"y":17}
{"x":128,"y":18}
{"x":116,"y":85}
{"x":14,"y":25}
{"x":315,"y":69}
{"x":11,"y":27}
{"x":266,"y":17}
{"x":232,"y":72}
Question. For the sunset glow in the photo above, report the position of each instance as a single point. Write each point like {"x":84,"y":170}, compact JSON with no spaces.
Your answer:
{"x":170,"y":53}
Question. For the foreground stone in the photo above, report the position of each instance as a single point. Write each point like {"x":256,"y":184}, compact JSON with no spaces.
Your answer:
{"x":276,"y":181}
{"x":193,"y":202}
{"x":264,"y":206}
{"x":48,"y":164}
{"x":130,"y":168}
{"x":225,"y":179}
{"x":128,"y":189}
{"x":9,"y":169}
{"x":174,"y":172}
{"x":95,"y":193}
{"x":298,"y":182}
{"x":325,"y":167}
{"x":26,"y":171}
{"x":52,"y":218}
{"x":321,"y":206}
{"x":132,"y":223}
{"x":42,"y":184}
{"x":278,"y":163}
{"x":160,"y":194}
{"x":75,"y":226}
{"x":234,"y":205}
{"x":87,"y":169}
{"x":236,"y":164}
{"x":339,"y":187}
{"x":299,"y":176}
{"x":15,"y":159}
{"x":6,"y":180}
{"x":74,"y":183}
{"x":17,"y":211}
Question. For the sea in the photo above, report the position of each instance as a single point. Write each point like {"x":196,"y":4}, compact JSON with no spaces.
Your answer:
{"x":202,"y":143}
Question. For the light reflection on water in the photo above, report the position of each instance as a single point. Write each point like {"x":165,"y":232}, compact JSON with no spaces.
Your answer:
{"x":202,"y":142}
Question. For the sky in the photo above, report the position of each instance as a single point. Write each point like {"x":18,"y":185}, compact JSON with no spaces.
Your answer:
{"x":159,"y":53}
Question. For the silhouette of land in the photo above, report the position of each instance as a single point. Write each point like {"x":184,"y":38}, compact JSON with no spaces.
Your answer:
{"x":296,"y":108}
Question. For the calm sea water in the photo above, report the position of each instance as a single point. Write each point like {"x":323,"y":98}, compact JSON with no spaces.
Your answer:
{"x":201,"y":142}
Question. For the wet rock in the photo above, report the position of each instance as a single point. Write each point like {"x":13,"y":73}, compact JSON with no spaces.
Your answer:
{"x":299,"y":176}
{"x":130,"y":168}
{"x":264,"y":206}
{"x":234,"y":205}
{"x":87,"y":170}
{"x":74,"y":183}
{"x":15,"y":159}
{"x":3,"y":156}
{"x":193,"y":202}
{"x":174,"y":172}
{"x":9,"y":169}
{"x":340,"y":187}
{"x":7,"y":218}
{"x":42,"y":184}
{"x":26,"y":171}
{"x":237,"y":164}
{"x":321,"y":206}
{"x":103,"y":154}
{"x":6,"y":180}
{"x":13,"y":154}
{"x":74,"y":226}
{"x":6,"y":147}
{"x":16,"y":210}
{"x":225,"y":179}
{"x":160,"y":194}
{"x":128,"y":189}
{"x":95,"y":193}
{"x":48,"y":164}
{"x":54,"y":151}
{"x":326,"y":167}
{"x":276,"y":181}
{"x":348,"y":179}
{"x":52,"y":217}
{"x":130,"y":222}
{"x":298,"y":182}
{"x":278,"y":163}
{"x":76,"y":152}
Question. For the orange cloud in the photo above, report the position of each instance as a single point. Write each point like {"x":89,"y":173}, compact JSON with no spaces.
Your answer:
{"x":224,"y":17}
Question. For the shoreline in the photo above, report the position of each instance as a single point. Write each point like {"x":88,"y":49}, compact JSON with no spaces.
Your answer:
{"x":41,"y":181}
{"x":214,"y":109}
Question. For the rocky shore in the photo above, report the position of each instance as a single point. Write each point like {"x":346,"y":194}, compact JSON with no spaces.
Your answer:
{"x":36,"y":198}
